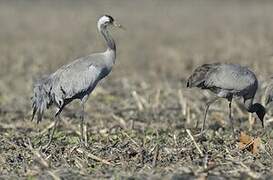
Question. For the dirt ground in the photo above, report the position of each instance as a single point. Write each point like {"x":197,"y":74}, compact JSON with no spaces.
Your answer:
{"x":141,"y":118}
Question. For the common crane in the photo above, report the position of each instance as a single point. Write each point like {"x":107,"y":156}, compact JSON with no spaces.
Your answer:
{"x":227,"y":81}
{"x":75,"y":80}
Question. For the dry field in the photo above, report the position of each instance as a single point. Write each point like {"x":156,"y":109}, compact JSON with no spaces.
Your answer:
{"x":137,"y":118}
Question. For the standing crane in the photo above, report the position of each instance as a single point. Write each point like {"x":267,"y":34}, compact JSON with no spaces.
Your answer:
{"x":227,"y":81}
{"x":75,"y":80}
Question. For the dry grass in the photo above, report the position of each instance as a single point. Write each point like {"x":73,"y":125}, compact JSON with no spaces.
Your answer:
{"x":141,"y":118}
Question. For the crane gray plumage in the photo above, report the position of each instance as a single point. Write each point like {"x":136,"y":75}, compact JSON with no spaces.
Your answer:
{"x":77,"y":79}
{"x":227,"y":81}
{"x":269,"y":92}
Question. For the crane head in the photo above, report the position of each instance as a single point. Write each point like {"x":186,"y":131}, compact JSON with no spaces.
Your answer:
{"x":107,"y":20}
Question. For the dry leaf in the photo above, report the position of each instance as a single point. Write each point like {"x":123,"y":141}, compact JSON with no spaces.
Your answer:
{"x":256,"y":145}
{"x":244,"y":138}
{"x":249,"y":143}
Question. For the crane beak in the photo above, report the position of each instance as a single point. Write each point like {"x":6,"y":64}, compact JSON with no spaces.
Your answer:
{"x":118,"y":25}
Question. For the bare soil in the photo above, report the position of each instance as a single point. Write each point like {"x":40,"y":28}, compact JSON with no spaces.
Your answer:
{"x":141,"y":118}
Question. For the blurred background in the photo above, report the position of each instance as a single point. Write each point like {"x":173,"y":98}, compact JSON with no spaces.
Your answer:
{"x":163,"y":41}
{"x":162,"y":44}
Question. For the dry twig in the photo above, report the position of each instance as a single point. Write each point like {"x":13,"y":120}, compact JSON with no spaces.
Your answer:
{"x":194,"y":142}
{"x":92,"y":156}
{"x":138,"y":101}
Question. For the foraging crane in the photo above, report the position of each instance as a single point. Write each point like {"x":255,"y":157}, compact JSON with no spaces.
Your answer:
{"x":75,"y":80}
{"x":227,"y":81}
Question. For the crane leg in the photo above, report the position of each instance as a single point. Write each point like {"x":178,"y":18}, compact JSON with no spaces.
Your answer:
{"x":83,"y":137}
{"x":56,"y":122}
{"x":206,"y":112}
{"x":230,"y":115}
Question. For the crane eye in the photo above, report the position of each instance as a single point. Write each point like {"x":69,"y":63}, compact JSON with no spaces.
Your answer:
{"x":107,"y":22}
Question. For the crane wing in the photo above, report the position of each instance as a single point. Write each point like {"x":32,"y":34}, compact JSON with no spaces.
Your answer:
{"x":231,"y":78}
{"x":76,"y":81}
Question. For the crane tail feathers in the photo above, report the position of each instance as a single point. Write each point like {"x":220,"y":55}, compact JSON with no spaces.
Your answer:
{"x":40,"y":100}
{"x":33,"y":113}
{"x":199,"y":77}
